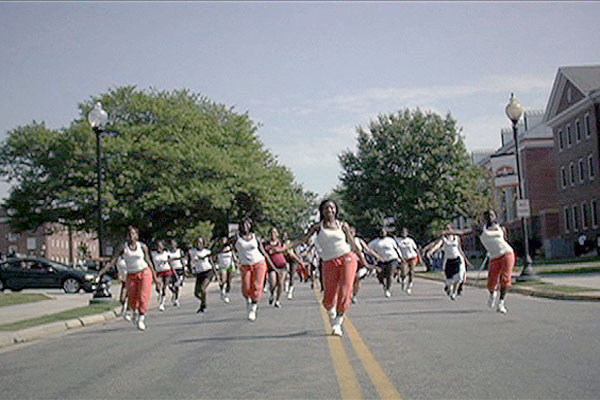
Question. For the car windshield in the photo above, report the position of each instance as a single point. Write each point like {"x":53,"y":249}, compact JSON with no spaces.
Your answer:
{"x":57,"y":264}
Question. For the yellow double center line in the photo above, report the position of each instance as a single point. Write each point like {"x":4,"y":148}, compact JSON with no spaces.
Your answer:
{"x":349,"y":386}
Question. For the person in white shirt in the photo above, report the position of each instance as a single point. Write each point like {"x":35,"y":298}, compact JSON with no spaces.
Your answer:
{"x":410,"y":259}
{"x":390,"y":257}
{"x":176,"y":260}
{"x":502,"y":260}
{"x":201,"y":266}
{"x":164,"y":271}
{"x":226,"y":264}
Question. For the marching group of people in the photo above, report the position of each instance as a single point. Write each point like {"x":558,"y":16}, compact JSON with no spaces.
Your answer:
{"x":330,"y":249}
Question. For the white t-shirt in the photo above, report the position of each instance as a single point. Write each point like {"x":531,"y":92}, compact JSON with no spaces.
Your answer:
{"x":225,"y":259}
{"x":200,"y":260}
{"x":175,"y":259}
{"x":248,"y":251}
{"x":161,"y":260}
{"x":385,"y":247}
{"x":494,"y":242}
{"x":408,"y":247}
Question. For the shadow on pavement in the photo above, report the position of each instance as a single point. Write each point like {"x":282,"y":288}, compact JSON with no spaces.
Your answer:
{"x":433,"y":312}
{"x":260,"y":337}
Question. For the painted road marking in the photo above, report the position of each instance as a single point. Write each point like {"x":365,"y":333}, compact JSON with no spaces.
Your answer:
{"x":384,"y":386}
{"x":345,"y":373}
{"x":346,"y":377}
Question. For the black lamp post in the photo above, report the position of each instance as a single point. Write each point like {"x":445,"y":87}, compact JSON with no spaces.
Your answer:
{"x":514,"y":112}
{"x":98,"y":119}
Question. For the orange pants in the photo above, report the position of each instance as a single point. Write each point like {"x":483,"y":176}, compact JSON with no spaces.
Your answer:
{"x":139,"y":285}
{"x":338,"y":280}
{"x":253,"y":279}
{"x":501,"y":271}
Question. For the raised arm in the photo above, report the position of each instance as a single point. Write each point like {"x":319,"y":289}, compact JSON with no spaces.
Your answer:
{"x":304,"y":239}
{"x":112,"y":262}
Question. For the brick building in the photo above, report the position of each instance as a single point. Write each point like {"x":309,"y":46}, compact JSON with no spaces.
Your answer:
{"x":53,"y":241}
{"x":573,"y":115}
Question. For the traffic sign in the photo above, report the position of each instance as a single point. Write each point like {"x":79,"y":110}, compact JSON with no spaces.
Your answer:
{"x":523,"y":208}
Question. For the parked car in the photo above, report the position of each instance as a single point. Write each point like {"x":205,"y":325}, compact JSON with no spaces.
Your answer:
{"x":30,"y":272}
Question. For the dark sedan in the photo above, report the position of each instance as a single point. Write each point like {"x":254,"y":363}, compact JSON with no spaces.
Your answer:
{"x":20,"y":273}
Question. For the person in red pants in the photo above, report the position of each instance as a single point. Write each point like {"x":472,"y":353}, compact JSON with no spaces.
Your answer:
{"x":140,"y":275}
{"x":253,"y":264}
{"x":340,"y":260}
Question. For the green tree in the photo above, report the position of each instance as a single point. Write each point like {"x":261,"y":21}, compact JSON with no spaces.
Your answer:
{"x":411,"y":166}
{"x":174,"y":163}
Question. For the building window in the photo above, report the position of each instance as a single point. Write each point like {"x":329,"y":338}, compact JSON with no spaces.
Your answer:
{"x":561,"y":140}
{"x":587,"y":126}
{"x":569,"y":136}
{"x":591,"y":167}
{"x":581,"y":170}
{"x":572,"y":174}
{"x":31,"y":243}
{"x":585,"y":215}
{"x":594,"y":213}
{"x":569,"y":95}
{"x":578,"y":131}
{"x":575,"y":218}
{"x":567,"y":219}
{"x":563,"y":177}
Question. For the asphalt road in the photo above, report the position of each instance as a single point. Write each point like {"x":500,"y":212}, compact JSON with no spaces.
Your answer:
{"x":424,"y":345}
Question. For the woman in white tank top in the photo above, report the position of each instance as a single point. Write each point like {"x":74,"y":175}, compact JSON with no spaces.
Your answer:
{"x":140,"y":275}
{"x":502,"y":260}
{"x":253,"y":264}
{"x":339,"y":254}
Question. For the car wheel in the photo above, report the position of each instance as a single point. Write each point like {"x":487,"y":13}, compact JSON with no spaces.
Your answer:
{"x":71,"y":285}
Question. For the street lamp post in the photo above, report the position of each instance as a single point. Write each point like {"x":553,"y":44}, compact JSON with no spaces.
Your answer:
{"x":514,"y":112}
{"x":98,"y":119}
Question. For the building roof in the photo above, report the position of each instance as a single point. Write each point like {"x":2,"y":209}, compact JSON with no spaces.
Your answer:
{"x":586,"y":80}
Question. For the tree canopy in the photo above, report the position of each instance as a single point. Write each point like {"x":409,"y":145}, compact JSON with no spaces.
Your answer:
{"x":411,"y":166}
{"x":175,"y":165}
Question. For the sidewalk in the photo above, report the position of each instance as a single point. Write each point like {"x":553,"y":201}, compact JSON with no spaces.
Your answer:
{"x":63,"y":302}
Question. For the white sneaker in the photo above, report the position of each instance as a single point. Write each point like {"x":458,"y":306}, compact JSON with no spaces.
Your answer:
{"x":403,"y":285}
{"x":492,"y":299}
{"x":336,"y":329}
{"x":141,"y":323}
{"x":453,"y":296}
{"x":252,"y":313}
{"x":277,"y":304}
{"x":354,"y":300}
{"x":127,"y":315}
{"x":226,"y":300}
{"x":501,"y":309}
{"x":409,"y":290}
{"x":176,"y":303}
{"x":290,"y":294}
{"x":388,"y":293}
{"x":161,"y":307}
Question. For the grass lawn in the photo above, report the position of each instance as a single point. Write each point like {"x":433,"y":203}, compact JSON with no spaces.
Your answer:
{"x":10,"y":299}
{"x":62,"y":316}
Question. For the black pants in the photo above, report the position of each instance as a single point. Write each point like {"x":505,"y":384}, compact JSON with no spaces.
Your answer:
{"x":202,"y":281}
{"x":388,"y":269}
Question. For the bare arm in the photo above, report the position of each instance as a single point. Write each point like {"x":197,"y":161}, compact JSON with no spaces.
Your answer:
{"x":350,"y":239}
{"x":112,"y":262}
{"x":264,"y":253}
{"x":304,"y":239}
{"x":150,"y":262}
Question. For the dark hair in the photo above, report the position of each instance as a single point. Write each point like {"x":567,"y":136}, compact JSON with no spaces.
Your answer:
{"x":244,"y":220}
{"x":322,"y":207}
{"x":487,"y":216}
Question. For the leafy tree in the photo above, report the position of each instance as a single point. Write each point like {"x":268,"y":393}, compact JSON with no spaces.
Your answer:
{"x":174,"y":163}
{"x":411,"y":166}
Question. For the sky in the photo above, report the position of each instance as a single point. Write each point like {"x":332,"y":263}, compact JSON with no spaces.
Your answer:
{"x":309,"y":73}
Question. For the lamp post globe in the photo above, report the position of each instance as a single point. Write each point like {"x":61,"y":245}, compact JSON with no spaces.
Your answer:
{"x":98,"y":117}
{"x":513,"y":109}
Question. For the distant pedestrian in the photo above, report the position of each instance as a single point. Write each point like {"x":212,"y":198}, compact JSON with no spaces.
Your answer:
{"x":164,"y":272}
{"x":390,"y":258}
{"x":410,"y":259}
{"x":176,"y":260}
{"x":226,"y":266}
{"x":203,"y":269}
{"x":140,"y":275}
{"x":502,"y":260}
{"x":362,"y":269}
{"x":339,"y":255}
{"x":295,"y":264}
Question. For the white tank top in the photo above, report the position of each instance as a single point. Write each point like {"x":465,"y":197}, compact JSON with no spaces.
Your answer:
{"x":175,"y":259}
{"x":332,"y":242}
{"x":161,"y":261}
{"x":225,"y":259}
{"x":248,"y":250}
{"x":494,"y":242}
{"x":200,"y":261}
{"x":451,"y":247}
{"x":134,"y":259}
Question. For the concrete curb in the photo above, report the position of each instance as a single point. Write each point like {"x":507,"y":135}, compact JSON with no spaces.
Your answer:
{"x":527,"y":291}
{"x":10,"y":338}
